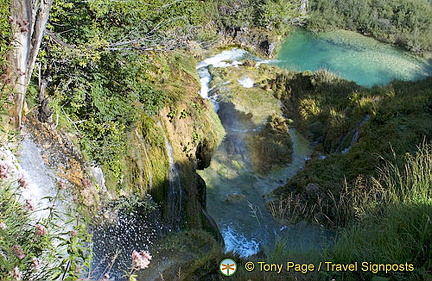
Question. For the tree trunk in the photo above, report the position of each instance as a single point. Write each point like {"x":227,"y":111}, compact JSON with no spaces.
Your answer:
{"x":29,"y":18}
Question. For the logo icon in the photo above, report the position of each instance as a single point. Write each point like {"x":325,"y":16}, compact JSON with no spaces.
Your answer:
{"x":228,"y":267}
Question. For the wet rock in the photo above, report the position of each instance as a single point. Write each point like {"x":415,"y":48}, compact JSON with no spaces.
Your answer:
{"x":201,"y":190}
{"x":203,"y":155}
{"x":235,"y":197}
{"x":45,"y":112}
{"x":259,"y":41}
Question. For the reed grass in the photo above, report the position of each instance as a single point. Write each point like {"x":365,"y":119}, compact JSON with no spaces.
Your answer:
{"x":395,"y":226}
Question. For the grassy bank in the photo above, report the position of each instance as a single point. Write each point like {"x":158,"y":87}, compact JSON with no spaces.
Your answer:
{"x":370,"y":174}
{"x":331,"y":111}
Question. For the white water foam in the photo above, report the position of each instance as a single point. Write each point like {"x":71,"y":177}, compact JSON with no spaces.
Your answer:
{"x":205,"y":79}
{"x":41,"y":180}
{"x":236,"y":242}
{"x":246,"y":82}
{"x":224,"y":59}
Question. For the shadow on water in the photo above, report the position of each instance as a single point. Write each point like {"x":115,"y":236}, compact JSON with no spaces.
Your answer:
{"x":237,"y":197}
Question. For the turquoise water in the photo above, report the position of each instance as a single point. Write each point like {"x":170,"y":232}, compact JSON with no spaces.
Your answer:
{"x":352,"y":56}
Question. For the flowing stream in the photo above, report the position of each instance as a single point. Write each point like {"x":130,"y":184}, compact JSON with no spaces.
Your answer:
{"x":41,"y":180}
{"x":236,"y":196}
{"x":125,"y":227}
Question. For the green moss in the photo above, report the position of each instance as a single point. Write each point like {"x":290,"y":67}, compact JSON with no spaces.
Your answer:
{"x":191,"y":254}
{"x":150,"y":170}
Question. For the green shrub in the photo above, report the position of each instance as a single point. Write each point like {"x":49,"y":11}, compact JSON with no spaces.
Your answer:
{"x":5,"y":33}
{"x":404,"y":22}
{"x":33,"y":249}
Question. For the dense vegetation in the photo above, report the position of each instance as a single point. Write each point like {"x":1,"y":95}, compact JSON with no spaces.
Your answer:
{"x":395,"y":220}
{"x":105,"y":70}
{"x":332,"y":111}
{"x":270,"y":14}
{"x":375,"y":178}
{"x":404,"y":22}
{"x":104,"y":75}
{"x":5,"y":31}
{"x":109,"y":66}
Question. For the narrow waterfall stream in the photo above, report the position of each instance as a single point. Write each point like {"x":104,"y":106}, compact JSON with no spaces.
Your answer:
{"x":124,"y":229}
{"x":354,"y":136}
{"x":175,"y":194}
{"x":236,"y":196}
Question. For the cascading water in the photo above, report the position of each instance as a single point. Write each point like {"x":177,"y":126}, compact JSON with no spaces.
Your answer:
{"x":126,"y":226}
{"x":355,"y":135}
{"x":235,"y":195}
{"x":223,"y":59}
{"x":41,"y":180}
{"x":175,"y":193}
{"x":40,"y":192}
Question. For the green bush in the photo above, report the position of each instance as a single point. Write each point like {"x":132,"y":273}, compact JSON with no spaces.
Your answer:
{"x":33,"y":249}
{"x":330,"y":114}
{"x":5,"y":33}
{"x":404,"y":22}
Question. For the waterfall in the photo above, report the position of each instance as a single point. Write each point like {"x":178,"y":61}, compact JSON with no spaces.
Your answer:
{"x":175,"y":193}
{"x":42,"y":191}
{"x":149,"y":170}
{"x":354,"y":138}
{"x":121,"y":231}
{"x":41,"y":180}
{"x":37,"y":186}
{"x":224,"y":59}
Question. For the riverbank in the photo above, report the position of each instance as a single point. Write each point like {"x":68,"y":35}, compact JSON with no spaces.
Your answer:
{"x":126,"y":96}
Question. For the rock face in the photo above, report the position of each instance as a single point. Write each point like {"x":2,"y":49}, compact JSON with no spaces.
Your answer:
{"x":256,"y":40}
{"x":183,"y":136}
{"x":62,"y":154}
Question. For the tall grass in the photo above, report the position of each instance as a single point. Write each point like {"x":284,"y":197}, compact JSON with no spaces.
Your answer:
{"x":396,"y":227}
{"x":412,"y":182}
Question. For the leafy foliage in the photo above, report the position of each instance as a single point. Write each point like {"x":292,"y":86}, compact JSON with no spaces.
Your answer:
{"x":270,"y":14}
{"x":105,"y":74}
{"x":405,"y":22}
{"x":5,"y":32}
{"x":38,"y":250}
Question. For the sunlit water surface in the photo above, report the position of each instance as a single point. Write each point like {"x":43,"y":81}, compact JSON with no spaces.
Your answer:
{"x":352,"y":56}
